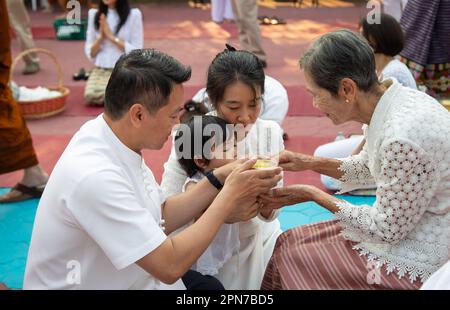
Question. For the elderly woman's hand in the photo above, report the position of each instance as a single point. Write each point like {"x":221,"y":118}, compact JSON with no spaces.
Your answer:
{"x":291,"y":161}
{"x":285,"y":196}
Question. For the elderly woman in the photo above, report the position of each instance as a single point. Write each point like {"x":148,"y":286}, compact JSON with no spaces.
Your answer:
{"x":401,"y":240}
{"x":387,"y":40}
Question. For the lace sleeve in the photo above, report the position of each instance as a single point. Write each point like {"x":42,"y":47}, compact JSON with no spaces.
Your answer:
{"x":355,"y":169}
{"x":408,"y":179}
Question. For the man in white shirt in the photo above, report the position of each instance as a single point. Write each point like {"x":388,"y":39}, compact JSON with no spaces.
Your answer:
{"x":103,"y":222}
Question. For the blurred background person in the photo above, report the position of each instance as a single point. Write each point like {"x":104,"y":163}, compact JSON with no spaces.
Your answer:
{"x":20,"y":22}
{"x":394,"y":8}
{"x":427,"y":44}
{"x":221,"y":10}
{"x":16,"y":146}
{"x":113,"y":29}
{"x":246,"y":16}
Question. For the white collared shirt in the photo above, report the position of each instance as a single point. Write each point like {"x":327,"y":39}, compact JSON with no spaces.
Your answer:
{"x":131,"y":33}
{"x":99,"y":214}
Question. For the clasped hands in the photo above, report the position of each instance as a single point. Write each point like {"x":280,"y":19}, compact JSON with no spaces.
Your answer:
{"x":104,"y":29}
{"x":253,"y":191}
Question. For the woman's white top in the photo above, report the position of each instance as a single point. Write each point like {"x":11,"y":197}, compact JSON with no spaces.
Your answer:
{"x":407,"y":155}
{"x":99,"y":214}
{"x":245,"y":269}
{"x":398,"y":70}
{"x":225,"y":243}
{"x":132,"y":33}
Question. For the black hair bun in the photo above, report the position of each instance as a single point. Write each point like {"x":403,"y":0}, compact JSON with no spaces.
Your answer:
{"x":230,"y":48}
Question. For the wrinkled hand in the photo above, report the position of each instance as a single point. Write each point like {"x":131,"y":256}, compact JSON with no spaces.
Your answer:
{"x":291,"y":161}
{"x":285,"y":196}
{"x":244,"y":185}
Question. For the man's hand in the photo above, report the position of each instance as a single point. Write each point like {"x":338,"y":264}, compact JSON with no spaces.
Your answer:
{"x":224,"y":171}
{"x":244,"y":185}
{"x":291,"y":161}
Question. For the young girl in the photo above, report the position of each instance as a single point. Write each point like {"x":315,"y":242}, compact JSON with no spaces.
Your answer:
{"x":197,"y":161}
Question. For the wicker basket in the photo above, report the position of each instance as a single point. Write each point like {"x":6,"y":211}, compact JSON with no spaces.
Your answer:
{"x":46,"y":107}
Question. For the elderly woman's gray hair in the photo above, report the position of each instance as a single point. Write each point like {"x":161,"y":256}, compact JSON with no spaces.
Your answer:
{"x":337,"y":55}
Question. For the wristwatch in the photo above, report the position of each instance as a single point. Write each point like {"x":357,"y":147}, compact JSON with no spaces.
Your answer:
{"x":213,"y":180}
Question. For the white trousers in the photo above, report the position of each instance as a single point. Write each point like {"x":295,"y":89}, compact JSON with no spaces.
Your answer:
{"x":220,"y":10}
{"x":337,"y":149}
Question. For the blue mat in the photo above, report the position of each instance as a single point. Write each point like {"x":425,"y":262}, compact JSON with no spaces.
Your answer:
{"x":16,"y":223}
{"x":311,"y":212}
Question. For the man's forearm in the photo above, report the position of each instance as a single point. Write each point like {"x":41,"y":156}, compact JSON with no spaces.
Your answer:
{"x":178,"y":253}
{"x":182,"y":208}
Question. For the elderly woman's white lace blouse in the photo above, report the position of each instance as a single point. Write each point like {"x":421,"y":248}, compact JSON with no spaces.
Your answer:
{"x":407,"y":155}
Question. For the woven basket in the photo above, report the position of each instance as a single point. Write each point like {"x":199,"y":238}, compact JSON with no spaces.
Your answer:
{"x":46,"y":107}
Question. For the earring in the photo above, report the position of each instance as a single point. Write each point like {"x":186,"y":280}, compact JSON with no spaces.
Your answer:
{"x":347,"y":101}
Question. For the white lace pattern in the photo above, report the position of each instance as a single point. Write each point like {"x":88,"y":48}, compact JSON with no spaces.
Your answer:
{"x":408,"y":228}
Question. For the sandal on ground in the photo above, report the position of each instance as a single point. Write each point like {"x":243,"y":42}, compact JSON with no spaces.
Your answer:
{"x":81,"y":75}
{"x":26,"y":192}
{"x":264,"y":20}
{"x":277,"y":21}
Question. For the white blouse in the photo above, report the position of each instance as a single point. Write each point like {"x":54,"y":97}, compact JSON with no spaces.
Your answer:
{"x":398,"y":70}
{"x":407,"y":155}
{"x":132,"y":33}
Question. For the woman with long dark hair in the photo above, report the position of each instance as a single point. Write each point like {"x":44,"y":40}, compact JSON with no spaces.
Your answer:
{"x":113,"y":29}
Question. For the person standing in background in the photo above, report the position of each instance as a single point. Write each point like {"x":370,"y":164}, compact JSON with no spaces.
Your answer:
{"x":394,"y":8}
{"x":221,"y":11}
{"x":16,"y":145}
{"x":113,"y":29}
{"x":20,"y":22}
{"x":427,"y":45}
{"x":246,"y":16}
